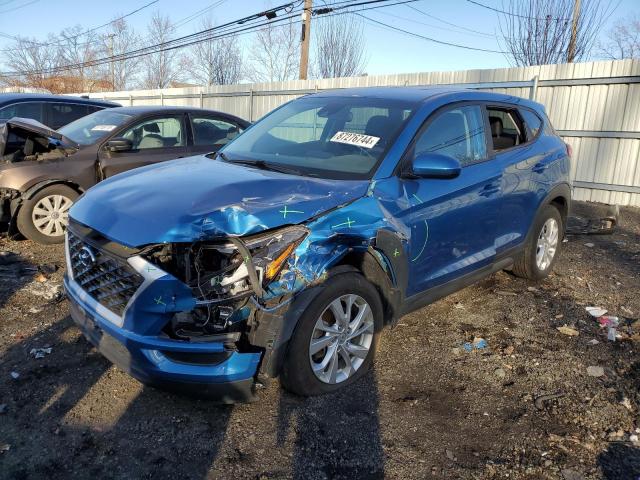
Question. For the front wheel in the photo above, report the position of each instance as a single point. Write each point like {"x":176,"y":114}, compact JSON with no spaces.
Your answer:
{"x":336,"y":337}
{"x":541,"y":249}
{"x":44,"y":217}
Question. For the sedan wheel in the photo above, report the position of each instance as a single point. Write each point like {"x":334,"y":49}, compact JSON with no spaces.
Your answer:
{"x":341,"y":339}
{"x":50,"y":215}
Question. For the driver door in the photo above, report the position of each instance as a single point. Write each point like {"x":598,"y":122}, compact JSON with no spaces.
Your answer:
{"x":453,"y":220}
{"x":153,"y":139}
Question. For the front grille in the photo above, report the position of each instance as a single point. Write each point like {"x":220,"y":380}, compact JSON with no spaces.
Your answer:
{"x":109,"y":280}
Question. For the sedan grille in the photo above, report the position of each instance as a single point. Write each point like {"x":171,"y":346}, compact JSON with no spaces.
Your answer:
{"x":109,"y":280}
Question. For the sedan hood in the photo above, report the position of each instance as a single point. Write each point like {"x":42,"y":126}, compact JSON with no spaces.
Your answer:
{"x":198,"y":198}
{"x":29,"y":128}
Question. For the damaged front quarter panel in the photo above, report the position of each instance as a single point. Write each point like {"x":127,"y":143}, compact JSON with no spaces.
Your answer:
{"x":273,"y":288}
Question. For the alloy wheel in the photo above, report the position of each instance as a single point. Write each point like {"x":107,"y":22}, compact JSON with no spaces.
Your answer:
{"x":341,"y":339}
{"x":547,"y":244}
{"x":50,"y":216}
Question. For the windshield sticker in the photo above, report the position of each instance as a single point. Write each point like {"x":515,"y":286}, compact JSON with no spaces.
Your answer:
{"x":357,"y":139}
{"x":103,"y":128}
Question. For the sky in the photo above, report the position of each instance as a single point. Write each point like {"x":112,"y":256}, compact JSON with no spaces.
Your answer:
{"x":387,"y":51}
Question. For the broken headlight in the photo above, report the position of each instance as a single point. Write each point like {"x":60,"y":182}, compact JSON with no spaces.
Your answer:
{"x":270,"y":252}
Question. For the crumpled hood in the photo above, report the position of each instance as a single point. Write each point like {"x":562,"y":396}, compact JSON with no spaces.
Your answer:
{"x":28,"y":127}
{"x":198,"y":198}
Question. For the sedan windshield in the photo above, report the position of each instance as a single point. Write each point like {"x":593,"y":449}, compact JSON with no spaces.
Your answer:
{"x":330,"y":137}
{"x":88,"y":130}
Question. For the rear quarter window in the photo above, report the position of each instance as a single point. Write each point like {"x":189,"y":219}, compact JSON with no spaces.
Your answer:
{"x":532,"y":122}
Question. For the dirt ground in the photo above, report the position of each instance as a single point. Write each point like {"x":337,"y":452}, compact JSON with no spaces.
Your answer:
{"x":430,"y":409}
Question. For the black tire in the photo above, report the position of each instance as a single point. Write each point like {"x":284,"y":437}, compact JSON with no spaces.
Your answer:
{"x":525,"y":265}
{"x":297,"y":374}
{"x":25,"y":222}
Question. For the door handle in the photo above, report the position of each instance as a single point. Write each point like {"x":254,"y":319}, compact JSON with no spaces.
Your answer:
{"x":489,"y":189}
{"x":540,"y":167}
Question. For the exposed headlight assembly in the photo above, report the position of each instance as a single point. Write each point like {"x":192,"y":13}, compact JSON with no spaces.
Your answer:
{"x":265,"y":255}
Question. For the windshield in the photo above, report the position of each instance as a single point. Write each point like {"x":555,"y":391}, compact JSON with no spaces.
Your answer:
{"x":88,"y":130}
{"x":330,"y":137}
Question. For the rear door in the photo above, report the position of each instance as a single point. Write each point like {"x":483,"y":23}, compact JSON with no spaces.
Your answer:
{"x":516,"y":154}
{"x":453,"y":220}
{"x":211,"y":132}
{"x":154,"y":139}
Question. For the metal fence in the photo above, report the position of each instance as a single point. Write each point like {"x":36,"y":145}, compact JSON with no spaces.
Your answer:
{"x":594,"y":106}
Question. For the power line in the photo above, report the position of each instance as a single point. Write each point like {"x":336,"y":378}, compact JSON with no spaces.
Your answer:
{"x":249,"y":24}
{"x":165,"y":46}
{"x":19,"y":6}
{"x":504,"y":12}
{"x":449,"y":23}
{"x":441,"y":42}
{"x":57,"y":42}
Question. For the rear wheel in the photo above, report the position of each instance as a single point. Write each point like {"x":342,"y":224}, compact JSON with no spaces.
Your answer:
{"x":541,"y":250}
{"x":335,"y":341}
{"x":44,"y":217}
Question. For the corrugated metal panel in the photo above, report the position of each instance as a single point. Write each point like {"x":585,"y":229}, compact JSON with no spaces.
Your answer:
{"x":578,"y":105}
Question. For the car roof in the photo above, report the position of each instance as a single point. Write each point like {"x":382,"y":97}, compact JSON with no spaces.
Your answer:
{"x":422,"y":94}
{"x":146,"y":109}
{"x":47,"y":97}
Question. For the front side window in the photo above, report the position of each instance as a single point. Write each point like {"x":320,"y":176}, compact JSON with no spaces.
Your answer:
{"x":457,"y":133}
{"x":88,"y":130}
{"x":329,"y":137}
{"x":506,"y":128}
{"x":24,"y":110}
{"x":163,"y":132}
{"x":213,"y":131}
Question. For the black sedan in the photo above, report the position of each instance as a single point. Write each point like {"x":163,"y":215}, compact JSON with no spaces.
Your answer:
{"x":43,"y":171}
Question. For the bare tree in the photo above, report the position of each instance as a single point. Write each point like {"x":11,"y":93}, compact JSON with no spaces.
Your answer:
{"x":623,"y":40}
{"x":538,"y":32}
{"x":215,"y":61}
{"x":119,"y":39}
{"x":32,"y":61}
{"x":275,"y":53}
{"x":161,"y":68}
{"x":339,"y":47}
{"x":78,"y":50}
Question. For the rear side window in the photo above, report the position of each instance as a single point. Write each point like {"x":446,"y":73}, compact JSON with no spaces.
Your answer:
{"x":61,"y":114}
{"x":532,"y":123}
{"x":506,"y":128}
{"x":213,"y":131}
{"x":93,"y":108}
{"x":25,"y":110}
{"x":458,"y":133}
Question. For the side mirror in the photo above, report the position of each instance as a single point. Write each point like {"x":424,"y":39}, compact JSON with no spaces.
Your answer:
{"x":119,"y":145}
{"x":434,"y":165}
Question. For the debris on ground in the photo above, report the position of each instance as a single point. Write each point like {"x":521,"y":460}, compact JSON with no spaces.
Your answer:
{"x":540,"y":400}
{"x":47,"y":290}
{"x":4,"y":447}
{"x":596,"y":311}
{"x":580,"y":225}
{"x":594,"y":371}
{"x":3,"y":408}
{"x":40,"y":352}
{"x":477,"y":344}
{"x":572,"y":332}
{"x":15,"y":375}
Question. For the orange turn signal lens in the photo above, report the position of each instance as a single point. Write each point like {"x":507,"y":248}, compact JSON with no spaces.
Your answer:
{"x":274,"y":267}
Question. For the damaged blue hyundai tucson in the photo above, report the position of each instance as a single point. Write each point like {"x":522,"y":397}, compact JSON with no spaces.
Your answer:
{"x":287,"y":252}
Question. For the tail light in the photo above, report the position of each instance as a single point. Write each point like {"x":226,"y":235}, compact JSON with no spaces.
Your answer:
{"x":569,"y":150}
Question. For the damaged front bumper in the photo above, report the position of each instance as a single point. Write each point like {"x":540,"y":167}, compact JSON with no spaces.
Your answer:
{"x":164,"y":362}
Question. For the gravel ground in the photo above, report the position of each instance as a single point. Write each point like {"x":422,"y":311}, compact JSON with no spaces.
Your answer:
{"x":428,"y":410}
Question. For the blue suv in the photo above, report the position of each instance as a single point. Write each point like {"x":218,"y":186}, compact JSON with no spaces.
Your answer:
{"x":286,"y":253}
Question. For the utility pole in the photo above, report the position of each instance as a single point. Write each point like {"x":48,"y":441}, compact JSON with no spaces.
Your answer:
{"x":111,"y":66}
{"x":571,"y":52}
{"x":304,"y":39}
